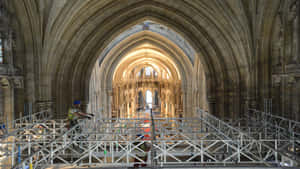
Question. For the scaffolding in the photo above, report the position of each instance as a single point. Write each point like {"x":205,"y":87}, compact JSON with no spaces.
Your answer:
{"x":262,"y":125}
{"x":202,"y":141}
{"x":18,"y":133}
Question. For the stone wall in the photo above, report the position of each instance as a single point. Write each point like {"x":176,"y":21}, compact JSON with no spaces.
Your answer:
{"x":249,"y":50}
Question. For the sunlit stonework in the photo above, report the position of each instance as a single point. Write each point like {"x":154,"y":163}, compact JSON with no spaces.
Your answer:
{"x":144,"y":79}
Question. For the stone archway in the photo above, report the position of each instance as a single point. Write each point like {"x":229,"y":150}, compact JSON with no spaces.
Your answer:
{"x":159,"y":44}
{"x":79,"y":32}
{"x":145,"y":71}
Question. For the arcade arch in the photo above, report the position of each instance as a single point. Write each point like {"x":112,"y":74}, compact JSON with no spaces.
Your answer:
{"x":136,"y":53}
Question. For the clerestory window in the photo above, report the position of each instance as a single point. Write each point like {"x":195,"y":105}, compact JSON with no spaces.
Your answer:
{"x":148,"y":71}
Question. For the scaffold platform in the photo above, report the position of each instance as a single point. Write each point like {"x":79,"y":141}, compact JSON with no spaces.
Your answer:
{"x":203,"y":141}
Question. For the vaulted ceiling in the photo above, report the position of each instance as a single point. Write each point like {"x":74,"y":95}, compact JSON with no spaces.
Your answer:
{"x":63,"y":39}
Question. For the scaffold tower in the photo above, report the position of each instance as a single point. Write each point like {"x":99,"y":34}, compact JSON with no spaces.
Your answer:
{"x":259,"y":139}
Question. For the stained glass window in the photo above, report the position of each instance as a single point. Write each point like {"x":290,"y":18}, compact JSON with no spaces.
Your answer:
{"x":138,"y":74}
{"x":155,"y":74}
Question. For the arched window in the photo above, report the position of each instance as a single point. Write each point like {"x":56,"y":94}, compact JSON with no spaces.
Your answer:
{"x":148,"y":71}
{"x":138,"y":74}
{"x":155,"y":74}
{"x":149,"y":98}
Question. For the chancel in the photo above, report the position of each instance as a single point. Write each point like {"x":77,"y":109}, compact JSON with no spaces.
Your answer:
{"x":149,"y":83}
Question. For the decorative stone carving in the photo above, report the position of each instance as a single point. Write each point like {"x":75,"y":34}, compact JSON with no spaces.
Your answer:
{"x":13,"y":81}
{"x":130,"y":92}
{"x":11,"y":73}
{"x":17,"y":82}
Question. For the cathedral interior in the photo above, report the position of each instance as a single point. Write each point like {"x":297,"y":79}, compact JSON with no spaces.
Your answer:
{"x":170,"y":83}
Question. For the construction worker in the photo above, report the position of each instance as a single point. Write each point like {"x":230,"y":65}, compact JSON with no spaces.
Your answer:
{"x":74,"y":113}
{"x":3,"y":130}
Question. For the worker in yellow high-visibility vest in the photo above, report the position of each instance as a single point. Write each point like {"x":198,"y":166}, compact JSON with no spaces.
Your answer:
{"x":74,"y":113}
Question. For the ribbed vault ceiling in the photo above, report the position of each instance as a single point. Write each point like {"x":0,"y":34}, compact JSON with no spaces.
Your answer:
{"x":144,"y":55}
{"x":67,"y":37}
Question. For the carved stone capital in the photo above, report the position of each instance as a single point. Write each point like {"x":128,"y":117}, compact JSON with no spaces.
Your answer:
{"x":12,"y":81}
{"x":17,"y":82}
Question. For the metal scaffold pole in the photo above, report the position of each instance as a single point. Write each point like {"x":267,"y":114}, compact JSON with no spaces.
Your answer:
{"x":153,"y":141}
{"x":203,"y":140}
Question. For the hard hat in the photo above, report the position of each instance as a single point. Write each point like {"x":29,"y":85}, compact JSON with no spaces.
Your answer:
{"x":76,"y":102}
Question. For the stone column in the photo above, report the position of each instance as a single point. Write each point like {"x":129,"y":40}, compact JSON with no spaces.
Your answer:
{"x":292,"y":100}
{"x":187,"y":97}
{"x":296,"y":98}
{"x":1,"y":104}
{"x":293,"y":25}
{"x":8,"y":103}
{"x":108,"y":104}
{"x":276,"y":94}
{"x":7,"y":41}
